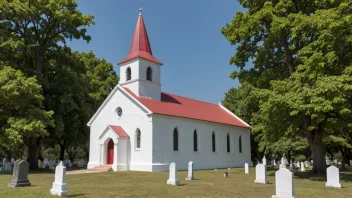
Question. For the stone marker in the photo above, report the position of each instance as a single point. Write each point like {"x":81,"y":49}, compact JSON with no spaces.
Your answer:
{"x":59,"y":185}
{"x":51,"y":164}
{"x":173,"y":175}
{"x":302,"y":167}
{"x":226,"y":174}
{"x":274,"y":162}
{"x":46,"y":161}
{"x":246,"y":168}
{"x":333,"y":177}
{"x":12,"y":161}
{"x":4,"y":161}
{"x":284,"y":184}
{"x":190,"y":171}
{"x":264,"y":161}
{"x":228,"y":168}
{"x":260,"y":174}
{"x":20,"y":174}
{"x":8,"y":167}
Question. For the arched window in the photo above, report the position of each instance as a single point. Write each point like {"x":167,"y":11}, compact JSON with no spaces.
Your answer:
{"x":195,"y":141}
{"x":128,"y":73}
{"x":240,"y":144}
{"x":175,"y":139}
{"x":213,"y":142}
{"x":138,"y":139}
{"x":228,"y":143}
{"x":149,"y":74}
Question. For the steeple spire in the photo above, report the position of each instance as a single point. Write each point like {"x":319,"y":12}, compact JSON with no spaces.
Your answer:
{"x":140,"y":46}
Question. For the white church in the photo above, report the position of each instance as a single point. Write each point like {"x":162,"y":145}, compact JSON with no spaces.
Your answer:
{"x":140,"y":128}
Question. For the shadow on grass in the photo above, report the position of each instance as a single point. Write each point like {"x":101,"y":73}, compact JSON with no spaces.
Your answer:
{"x":76,"y":195}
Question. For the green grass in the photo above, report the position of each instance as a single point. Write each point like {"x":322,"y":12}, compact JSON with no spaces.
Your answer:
{"x":208,"y":183}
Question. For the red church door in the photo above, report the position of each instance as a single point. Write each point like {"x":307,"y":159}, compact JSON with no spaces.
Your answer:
{"x":110,"y":152}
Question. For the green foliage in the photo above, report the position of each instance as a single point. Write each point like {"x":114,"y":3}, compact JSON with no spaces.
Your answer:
{"x":21,"y":114}
{"x":301,"y":74}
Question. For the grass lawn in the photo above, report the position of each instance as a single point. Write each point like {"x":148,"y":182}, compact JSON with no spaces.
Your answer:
{"x":208,"y":183}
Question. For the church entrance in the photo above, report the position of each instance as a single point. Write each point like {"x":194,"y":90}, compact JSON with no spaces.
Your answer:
{"x":110,"y":152}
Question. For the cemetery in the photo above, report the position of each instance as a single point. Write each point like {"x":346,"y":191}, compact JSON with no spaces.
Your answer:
{"x":106,"y":118}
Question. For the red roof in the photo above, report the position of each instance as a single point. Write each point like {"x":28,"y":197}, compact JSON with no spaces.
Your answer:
{"x":119,"y":131}
{"x":140,"y":46}
{"x":179,"y":106}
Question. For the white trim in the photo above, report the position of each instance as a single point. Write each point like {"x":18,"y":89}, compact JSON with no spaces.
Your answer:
{"x":139,"y":79}
{"x":112,"y":93}
{"x":245,"y":123}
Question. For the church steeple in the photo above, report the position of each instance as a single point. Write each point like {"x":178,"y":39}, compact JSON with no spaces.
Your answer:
{"x":140,"y":46}
{"x":140,"y":70}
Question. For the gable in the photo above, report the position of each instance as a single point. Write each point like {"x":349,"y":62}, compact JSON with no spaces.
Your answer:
{"x":112,"y":96}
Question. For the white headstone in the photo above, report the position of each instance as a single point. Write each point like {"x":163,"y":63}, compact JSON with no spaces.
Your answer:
{"x":51,"y":164}
{"x":59,"y":185}
{"x":274,"y":162}
{"x":297,"y":164}
{"x":264,"y":160}
{"x":306,"y":164}
{"x":283,"y":160}
{"x":302,"y":167}
{"x":246,"y":168}
{"x":260,"y":174}
{"x":46,"y":161}
{"x":284,"y":184}
{"x":4,"y":161}
{"x":12,"y":161}
{"x":173,"y":180}
{"x":190,"y":171}
{"x":333,"y":177}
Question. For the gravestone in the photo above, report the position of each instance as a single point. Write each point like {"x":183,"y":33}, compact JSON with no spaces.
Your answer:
{"x":190,"y":171}
{"x":4,"y":161}
{"x":246,"y":168}
{"x":306,"y":164}
{"x":333,"y":177}
{"x":51,"y":164}
{"x":8,"y":167}
{"x":226,"y":174}
{"x":260,"y":174}
{"x":173,"y":180}
{"x":46,"y":161}
{"x":264,"y":161}
{"x":274,"y":162}
{"x":302,"y":167}
{"x":12,"y":161}
{"x":59,"y":185}
{"x":284,"y":184}
{"x":297,"y":164}
{"x":20,"y":174}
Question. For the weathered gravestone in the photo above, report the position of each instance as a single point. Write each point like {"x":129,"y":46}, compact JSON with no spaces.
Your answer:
{"x":59,"y":185}
{"x":12,"y":161}
{"x":246,"y":168}
{"x":226,"y":174}
{"x":284,"y":184}
{"x":260,"y":174}
{"x":264,"y":161}
{"x":190,"y":171}
{"x":20,"y":174}
{"x":51,"y":164}
{"x":8,"y":167}
{"x":333,"y":177}
{"x":173,"y":180}
{"x":302,"y":167}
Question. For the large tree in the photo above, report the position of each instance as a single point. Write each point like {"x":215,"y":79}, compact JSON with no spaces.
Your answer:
{"x":21,"y":115}
{"x":32,"y":33}
{"x":301,"y":52}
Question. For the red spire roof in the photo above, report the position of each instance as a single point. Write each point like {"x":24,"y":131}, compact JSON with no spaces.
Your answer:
{"x":140,"y":46}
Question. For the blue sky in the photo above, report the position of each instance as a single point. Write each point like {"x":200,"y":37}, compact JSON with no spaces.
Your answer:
{"x":184,"y":35}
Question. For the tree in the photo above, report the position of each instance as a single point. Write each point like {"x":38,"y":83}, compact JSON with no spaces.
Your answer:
{"x":32,"y":34}
{"x":299,"y":48}
{"x":21,"y":114}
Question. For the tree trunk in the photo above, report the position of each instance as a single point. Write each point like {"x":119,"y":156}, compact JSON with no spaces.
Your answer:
{"x":34,"y":145}
{"x":345,"y":157}
{"x":318,"y":151}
